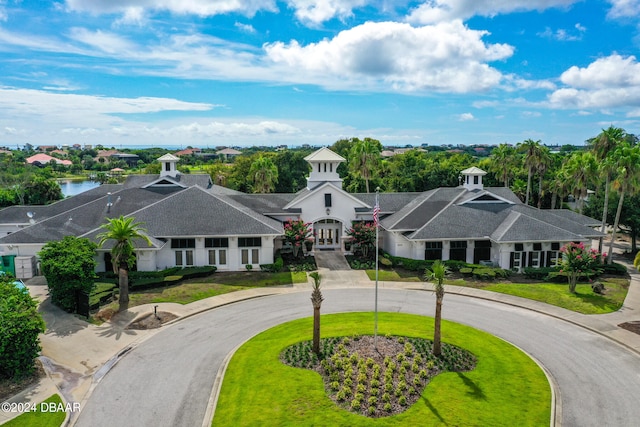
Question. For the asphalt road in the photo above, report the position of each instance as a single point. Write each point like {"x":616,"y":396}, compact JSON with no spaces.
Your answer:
{"x":167,"y":380}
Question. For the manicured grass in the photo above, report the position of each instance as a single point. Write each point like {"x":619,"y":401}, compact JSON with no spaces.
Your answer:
{"x":39,"y":419}
{"x":506,"y":387}
{"x":216,"y":284}
{"x":583,"y":301}
{"x":393,"y":276}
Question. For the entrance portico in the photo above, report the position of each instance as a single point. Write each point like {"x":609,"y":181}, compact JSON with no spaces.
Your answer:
{"x":328,"y":234}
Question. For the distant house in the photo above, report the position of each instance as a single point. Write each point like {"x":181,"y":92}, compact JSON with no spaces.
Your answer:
{"x":188,"y":152}
{"x":42,"y":160}
{"x":192,"y":222}
{"x":228,"y":153}
{"x":46,"y":148}
{"x":111,"y":155}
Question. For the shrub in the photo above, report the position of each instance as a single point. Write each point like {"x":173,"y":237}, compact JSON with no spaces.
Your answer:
{"x":20,"y":324}
{"x":68,"y":266}
{"x":273,"y":268}
{"x":455,"y":265}
{"x":467,"y":271}
{"x":484,"y":273}
{"x":614,"y":269}
{"x":539,"y":273}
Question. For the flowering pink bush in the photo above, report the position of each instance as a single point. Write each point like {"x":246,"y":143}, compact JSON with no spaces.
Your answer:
{"x":577,"y":261}
{"x":296,"y":232}
{"x":363,"y":236}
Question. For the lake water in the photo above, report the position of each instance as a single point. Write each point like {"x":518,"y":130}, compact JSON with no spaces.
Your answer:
{"x":71,"y":187}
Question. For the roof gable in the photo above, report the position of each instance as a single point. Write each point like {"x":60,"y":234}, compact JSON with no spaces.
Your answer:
{"x":324,"y":155}
{"x":304,"y":195}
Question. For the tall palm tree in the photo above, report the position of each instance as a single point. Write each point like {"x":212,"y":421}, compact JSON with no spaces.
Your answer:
{"x":502,"y":162}
{"x":627,"y":181}
{"x":581,"y":168}
{"x":543,"y":163}
{"x":602,"y":145}
{"x":264,"y":175}
{"x":316,"y":301}
{"x":531,"y":150}
{"x":123,"y":231}
{"x":559,"y":187}
{"x":437,"y":273}
{"x":363,"y":159}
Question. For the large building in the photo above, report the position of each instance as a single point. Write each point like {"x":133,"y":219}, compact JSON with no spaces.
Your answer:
{"x":191,"y":221}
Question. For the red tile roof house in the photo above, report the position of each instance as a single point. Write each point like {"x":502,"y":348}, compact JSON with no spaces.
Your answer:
{"x":42,"y":160}
{"x":191,"y":221}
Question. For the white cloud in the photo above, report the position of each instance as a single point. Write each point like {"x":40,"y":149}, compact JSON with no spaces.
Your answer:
{"x":609,"y":82}
{"x":107,"y":42}
{"x":432,"y":11}
{"x":465,"y":117}
{"x":195,"y":7}
{"x":564,"y":35}
{"x":447,"y":57}
{"x":314,"y":12}
{"x":245,"y":28}
{"x":624,"y":9}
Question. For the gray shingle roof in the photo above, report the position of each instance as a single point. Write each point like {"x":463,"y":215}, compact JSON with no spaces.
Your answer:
{"x":85,"y":218}
{"x":196,"y":212}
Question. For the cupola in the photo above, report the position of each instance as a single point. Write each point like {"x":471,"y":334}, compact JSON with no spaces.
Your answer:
{"x":472,"y":178}
{"x":324,"y":168}
{"x":169,"y":165}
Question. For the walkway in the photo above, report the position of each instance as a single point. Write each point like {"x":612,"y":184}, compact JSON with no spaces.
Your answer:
{"x":77,"y":355}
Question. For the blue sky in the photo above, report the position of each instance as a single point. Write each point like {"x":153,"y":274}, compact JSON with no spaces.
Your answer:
{"x":265,"y":72}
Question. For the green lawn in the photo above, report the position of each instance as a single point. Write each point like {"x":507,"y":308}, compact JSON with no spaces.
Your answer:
{"x":506,"y":388}
{"x":583,"y":301}
{"x":39,"y":419}
{"x":216,"y":284}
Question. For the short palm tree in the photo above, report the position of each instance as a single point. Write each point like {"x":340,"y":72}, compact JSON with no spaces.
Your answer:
{"x":316,"y":301}
{"x":123,"y":231}
{"x":437,"y":273}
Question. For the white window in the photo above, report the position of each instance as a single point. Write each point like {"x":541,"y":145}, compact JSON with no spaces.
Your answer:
{"x":220,"y":255}
{"x":535,"y":259}
{"x":184,"y":257}
{"x":517,"y":260}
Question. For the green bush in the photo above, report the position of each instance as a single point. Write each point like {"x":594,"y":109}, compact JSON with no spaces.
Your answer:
{"x":484,"y":273}
{"x":69,"y":267}
{"x":467,"y":271}
{"x":273,"y":268}
{"x":614,"y":269}
{"x":20,"y":324}
{"x":541,"y":273}
{"x":455,"y":265}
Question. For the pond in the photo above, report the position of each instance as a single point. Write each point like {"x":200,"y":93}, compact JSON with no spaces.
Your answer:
{"x":72,"y":187}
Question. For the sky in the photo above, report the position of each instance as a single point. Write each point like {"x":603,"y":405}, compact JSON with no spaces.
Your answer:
{"x":207,"y":73}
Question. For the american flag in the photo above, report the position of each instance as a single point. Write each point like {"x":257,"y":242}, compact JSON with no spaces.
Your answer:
{"x":376,"y":213}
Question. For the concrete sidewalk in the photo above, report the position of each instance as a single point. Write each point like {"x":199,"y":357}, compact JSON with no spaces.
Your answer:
{"x":77,"y":354}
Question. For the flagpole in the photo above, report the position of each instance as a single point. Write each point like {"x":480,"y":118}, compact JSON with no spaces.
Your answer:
{"x":376,"y":212}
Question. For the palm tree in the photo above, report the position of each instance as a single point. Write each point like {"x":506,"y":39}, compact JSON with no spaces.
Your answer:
{"x":437,"y":273}
{"x":531,"y":149}
{"x":543,"y":163}
{"x":502,"y":162}
{"x":581,"y":167}
{"x":627,"y":181}
{"x":602,"y":145}
{"x":123,"y":231}
{"x":364,"y":157}
{"x":264,"y":175}
{"x":559,"y":187}
{"x":316,"y":301}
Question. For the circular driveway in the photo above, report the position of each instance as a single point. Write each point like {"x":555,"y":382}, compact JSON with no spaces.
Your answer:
{"x":167,"y":379}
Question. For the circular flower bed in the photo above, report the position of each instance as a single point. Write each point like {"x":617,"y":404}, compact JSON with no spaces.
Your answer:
{"x":377,"y":380}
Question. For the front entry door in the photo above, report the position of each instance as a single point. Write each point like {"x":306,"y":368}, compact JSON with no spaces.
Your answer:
{"x":328,"y":234}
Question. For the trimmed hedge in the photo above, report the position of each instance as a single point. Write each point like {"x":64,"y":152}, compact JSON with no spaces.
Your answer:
{"x":275,"y":267}
{"x":614,"y":269}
